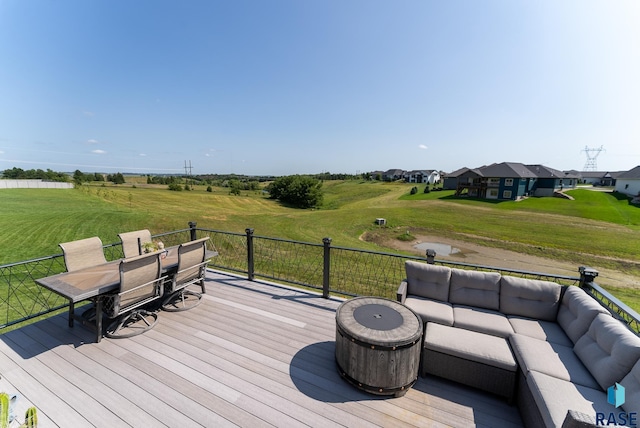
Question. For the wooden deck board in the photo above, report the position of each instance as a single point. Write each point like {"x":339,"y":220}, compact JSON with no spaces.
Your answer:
{"x":252,"y":354}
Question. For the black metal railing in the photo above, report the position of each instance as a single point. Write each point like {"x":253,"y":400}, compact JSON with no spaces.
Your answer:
{"x":320,"y":266}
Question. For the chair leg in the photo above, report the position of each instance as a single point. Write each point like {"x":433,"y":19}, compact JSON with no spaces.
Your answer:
{"x":135,"y":323}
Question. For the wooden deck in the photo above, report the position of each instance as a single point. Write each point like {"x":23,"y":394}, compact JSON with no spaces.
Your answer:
{"x":250,"y":355}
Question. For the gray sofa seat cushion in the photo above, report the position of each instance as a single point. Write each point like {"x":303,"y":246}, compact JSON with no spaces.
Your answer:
{"x":542,"y":330}
{"x":475,"y":288}
{"x":577,"y":311}
{"x":481,"y":320}
{"x":551,"y":359}
{"x":631,"y":383}
{"x":554,"y":397}
{"x":529,"y":298}
{"x":431,"y":310}
{"x":427,"y":280}
{"x":609,"y":350}
{"x":470,"y":345}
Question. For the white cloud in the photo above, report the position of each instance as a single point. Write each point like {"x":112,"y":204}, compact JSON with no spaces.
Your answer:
{"x":88,"y":113}
{"x":1,"y":152}
{"x":92,"y":141}
{"x":143,"y":154}
{"x":98,"y":152}
{"x":207,"y":154}
{"x":423,"y":147}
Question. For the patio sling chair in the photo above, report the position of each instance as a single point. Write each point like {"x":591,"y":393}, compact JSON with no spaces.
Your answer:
{"x":83,"y":253}
{"x":141,"y":282}
{"x":191,"y":270}
{"x":132,"y":242}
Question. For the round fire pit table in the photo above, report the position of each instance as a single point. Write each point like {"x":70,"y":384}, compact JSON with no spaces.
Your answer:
{"x":378,"y":345}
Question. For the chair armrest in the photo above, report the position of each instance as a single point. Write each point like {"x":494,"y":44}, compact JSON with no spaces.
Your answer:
{"x":575,"y":419}
{"x":402,"y":292}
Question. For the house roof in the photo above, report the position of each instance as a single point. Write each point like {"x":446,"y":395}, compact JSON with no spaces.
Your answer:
{"x":457,"y":172}
{"x":394,"y":172}
{"x":506,"y":170}
{"x":631,"y":174}
{"x":542,"y":171}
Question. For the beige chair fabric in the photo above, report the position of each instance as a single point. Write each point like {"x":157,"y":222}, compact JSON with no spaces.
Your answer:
{"x":190,"y":263}
{"x":132,"y":242}
{"x":83,"y":253}
{"x":191,"y":270}
{"x":140,"y":283}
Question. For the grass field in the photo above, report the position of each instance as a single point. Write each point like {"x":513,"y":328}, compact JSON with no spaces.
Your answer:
{"x":596,"y":229}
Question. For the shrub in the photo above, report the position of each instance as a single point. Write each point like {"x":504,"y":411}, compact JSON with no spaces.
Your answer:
{"x":176,"y":187}
{"x":297,"y":190}
{"x":414,"y":190}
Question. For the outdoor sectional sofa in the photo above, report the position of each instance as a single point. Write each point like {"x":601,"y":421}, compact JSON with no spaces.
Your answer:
{"x":553,"y":349}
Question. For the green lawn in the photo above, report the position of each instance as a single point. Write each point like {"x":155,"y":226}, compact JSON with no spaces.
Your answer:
{"x":590,"y":230}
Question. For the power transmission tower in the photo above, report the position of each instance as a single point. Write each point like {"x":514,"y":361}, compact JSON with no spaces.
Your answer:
{"x":592,"y":156}
{"x":187,"y":171}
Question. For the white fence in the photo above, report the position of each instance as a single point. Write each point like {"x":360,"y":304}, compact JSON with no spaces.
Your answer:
{"x":34,"y":184}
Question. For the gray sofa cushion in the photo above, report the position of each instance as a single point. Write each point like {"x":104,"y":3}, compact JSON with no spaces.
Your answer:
{"x":577,"y":311}
{"x":431,"y":310}
{"x":481,"y":320}
{"x":554,"y":397}
{"x":475,"y":288}
{"x":631,"y":383}
{"x":609,"y":350}
{"x":427,"y":280}
{"x":530,"y":298}
{"x":551,"y":359}
{"x":470,"y":345}
{"x":542,"y":330}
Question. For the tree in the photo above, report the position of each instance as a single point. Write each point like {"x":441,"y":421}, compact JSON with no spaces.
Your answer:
{"x":297,"y":190}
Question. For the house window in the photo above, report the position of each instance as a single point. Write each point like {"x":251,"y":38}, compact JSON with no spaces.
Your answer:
{"x":493,"y":182}
{"x":506,"y":194}
{"x":508,"y":182}
{"x":493,"y":193}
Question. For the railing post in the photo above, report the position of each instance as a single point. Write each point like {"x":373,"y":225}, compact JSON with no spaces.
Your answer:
{"x":587,"y":275}
{"x":192,"y":226}
{"x":431,"y":255}
{"x":326,"y":270}
{"x":249,"y":253}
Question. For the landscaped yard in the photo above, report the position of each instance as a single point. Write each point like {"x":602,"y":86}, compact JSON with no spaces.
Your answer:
{"x":596,"y":229}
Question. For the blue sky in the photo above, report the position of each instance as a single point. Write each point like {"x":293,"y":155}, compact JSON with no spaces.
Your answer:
{"x":305,"y":86}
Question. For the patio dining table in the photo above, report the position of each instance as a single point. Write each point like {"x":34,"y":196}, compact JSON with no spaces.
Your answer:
{"x":94,"y":283}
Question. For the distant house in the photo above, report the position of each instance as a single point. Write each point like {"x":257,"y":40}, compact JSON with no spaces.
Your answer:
{"x":393,"y":175}
{"x":512,"y":181}
{"x":629,"y":182}
{"x":422,"y":176}
{"x":598,"y":178}
{"x":549,"y":180}
{"x":450,"y":180}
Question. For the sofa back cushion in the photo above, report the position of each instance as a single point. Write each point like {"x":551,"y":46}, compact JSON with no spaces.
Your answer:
{"x":577,"y":311}
{"x":530,"y":298}
{"x":609,"y":350}
{"x":631,"y":384}
{"x":475,"y":288}
{"x":427,"y":280}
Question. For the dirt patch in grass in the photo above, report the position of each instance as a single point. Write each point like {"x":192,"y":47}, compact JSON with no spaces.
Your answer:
{"x":473,"y":253}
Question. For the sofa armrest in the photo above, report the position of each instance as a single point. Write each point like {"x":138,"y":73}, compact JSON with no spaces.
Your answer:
{"x":575,"y":419}
{"x":402,"y":292}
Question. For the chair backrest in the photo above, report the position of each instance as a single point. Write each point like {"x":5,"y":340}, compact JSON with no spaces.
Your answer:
{"x":83,"y":253}
{"x":132,"y":242}
{"x":140,"y":281}
{"x":191,"y":258}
